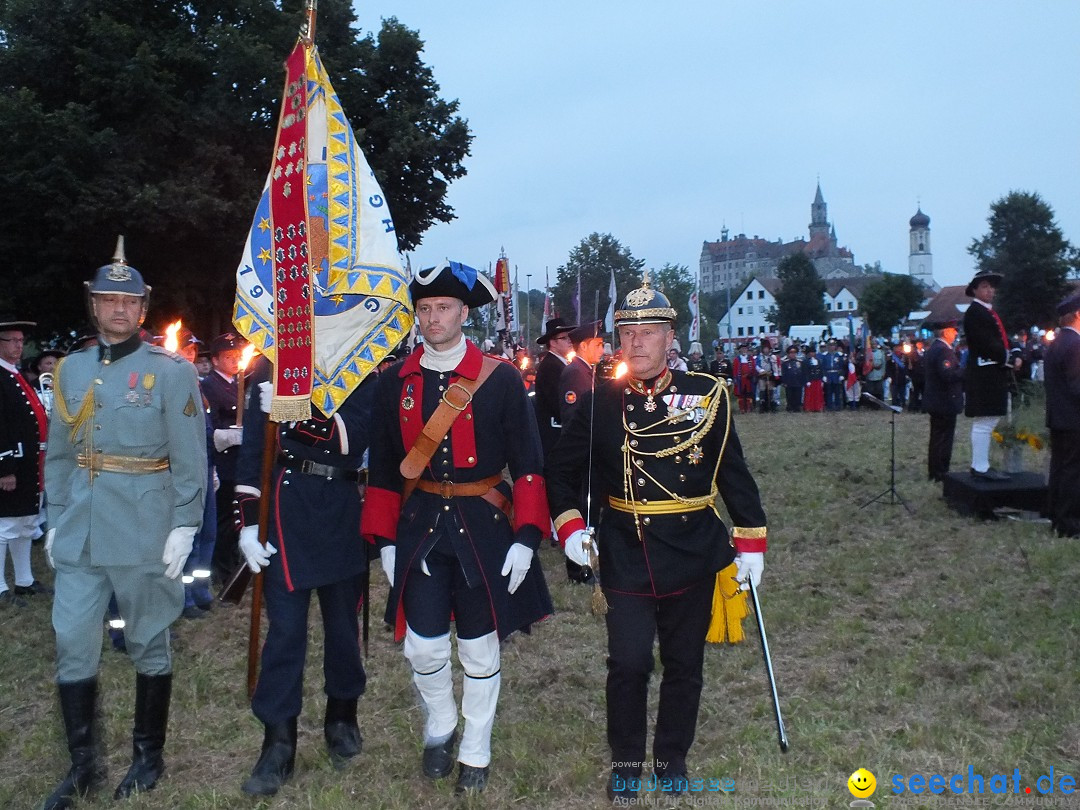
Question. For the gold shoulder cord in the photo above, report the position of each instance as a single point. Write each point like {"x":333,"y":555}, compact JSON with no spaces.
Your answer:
{"x":718,"y":394}
{"x":85,"y":412}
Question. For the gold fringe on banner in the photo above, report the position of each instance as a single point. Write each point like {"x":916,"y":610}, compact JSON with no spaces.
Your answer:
{"x":729,"y":608}
{"x":290,"y":409}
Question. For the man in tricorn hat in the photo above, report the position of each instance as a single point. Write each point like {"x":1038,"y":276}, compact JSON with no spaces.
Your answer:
{"x":943,"y":397}
{"x":663,"y":449}
{"x":1063,"y":419}
{"x":986,"y":376}
{"x":450,"y":420}
{"x":125,"y":477}
{"x":556,"y":338}
{"x":23,"y":426}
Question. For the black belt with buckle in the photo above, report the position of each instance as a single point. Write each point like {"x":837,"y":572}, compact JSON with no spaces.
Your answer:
{"x":308,"y":467}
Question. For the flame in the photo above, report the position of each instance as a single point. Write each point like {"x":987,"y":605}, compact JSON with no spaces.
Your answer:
{"x":570,"y":356}
{"x":172,"y":341}
{"x":621,"y":369}
{"x":907,"y":348}
{"x":246,"y":355}
{"x":524,"y":362}
{"x":1050,"y":336}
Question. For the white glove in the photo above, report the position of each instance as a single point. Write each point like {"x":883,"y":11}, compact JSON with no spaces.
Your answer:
{"x":224,"y":438}
{"x":177,"y":548}
{"x":388,"y":556}
{"x":266,"y":395}
{"x":749,"y":565}
{"x":518,"y":561}
{"x":257,"y":555}
{"x":575,"y":547}
{"x":217,"y":481}
{"x":49,"y":535}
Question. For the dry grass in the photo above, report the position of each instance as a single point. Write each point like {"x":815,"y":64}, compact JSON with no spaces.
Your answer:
{"x":923,"y":642}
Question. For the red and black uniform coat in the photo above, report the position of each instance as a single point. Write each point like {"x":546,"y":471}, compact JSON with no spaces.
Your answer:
{"x":986,"y":378}
{"x":22,"y":429}
{"x":674,"y":551}
{"x":495,"y":431}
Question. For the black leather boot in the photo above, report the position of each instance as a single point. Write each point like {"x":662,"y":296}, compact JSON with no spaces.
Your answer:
{"x":343,"y":739}
{"x":152,"y":696}
{"x":78,"y":705}
{"x":276,"y":760}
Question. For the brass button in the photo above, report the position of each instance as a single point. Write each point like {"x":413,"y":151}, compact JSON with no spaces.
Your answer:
{"x":98,"y":382}
{"x":627,"y":391}
{"x":678,"y":459}
{"x":528,"y":478}
{"x":472,"y":460}
{"x":468,"y":417}
{"x":446,"y":476}
{"x":632,"y":425}
{"x":641,"y":482}
{"x":461,"y":531}
{"x":682,"y":477}
{"x":442,"y":387}
{"x":645,"y":500}
{"x":646,"y":520}
{"x":633,"y":442}
{"x":446,"y":508}
{"x":629,"y":407}
{"x":446,"y":449}
{"x":674,"y":388}
{"x":683,"y":518}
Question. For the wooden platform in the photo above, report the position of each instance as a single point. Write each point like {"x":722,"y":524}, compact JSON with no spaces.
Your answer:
{"x":976,"y":496}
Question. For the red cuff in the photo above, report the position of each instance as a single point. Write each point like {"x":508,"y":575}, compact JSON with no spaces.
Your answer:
{"x":531,"y":504}
{"x":381,"y":510}
{"x":756,"y":542}
{"x":567,"y":523}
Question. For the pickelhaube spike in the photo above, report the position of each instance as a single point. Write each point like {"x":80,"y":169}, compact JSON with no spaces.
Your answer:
{"x":118,"y":255}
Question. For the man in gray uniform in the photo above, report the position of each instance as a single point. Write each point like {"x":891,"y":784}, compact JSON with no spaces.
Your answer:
{"x":125,"y":474}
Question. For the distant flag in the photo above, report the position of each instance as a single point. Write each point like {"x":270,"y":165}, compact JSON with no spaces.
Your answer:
{"x":695,"y":317}
{"x":504,"y":302}
{"x":327,"y":329}
{"x":609,"y":319}
{"x":547,"y":304}
{"x":577,"y":299}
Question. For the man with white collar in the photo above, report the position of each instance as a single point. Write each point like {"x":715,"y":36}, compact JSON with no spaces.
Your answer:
{"x":450,"y":420}
{"x":23,"y":425}
{"x":986,"y":378}
{"x":559,"y":345}
{"x":1063,"y":419}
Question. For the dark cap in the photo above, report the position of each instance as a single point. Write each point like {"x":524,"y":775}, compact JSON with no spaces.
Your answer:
{"x":945,"y":323}
{"x":225,"y":343}
{"x":453,"y":280}
{"x":593,"y":329}
{"x":1070,"y":304}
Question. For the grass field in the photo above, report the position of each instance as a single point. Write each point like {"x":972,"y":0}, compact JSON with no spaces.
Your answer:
{"x":906,"y":643}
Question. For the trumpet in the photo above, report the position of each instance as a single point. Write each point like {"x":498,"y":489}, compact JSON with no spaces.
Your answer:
{"x":45,"y":391}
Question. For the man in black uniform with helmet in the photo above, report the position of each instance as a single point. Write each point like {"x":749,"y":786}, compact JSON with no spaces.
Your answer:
{"x":663,"y":448}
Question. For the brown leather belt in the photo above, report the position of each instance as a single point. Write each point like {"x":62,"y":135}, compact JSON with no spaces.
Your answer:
{"x":132,"y":465}
{"x":484,"y":488}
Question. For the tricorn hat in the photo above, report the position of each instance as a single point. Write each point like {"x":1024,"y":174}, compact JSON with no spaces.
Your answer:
{"x":453,"y":280}
{"x":10,"y":322}
{"x":118,"y":278}
{"x":944,"y":323}
{"x":553,"y":328}
{"x":644,"y":305}
{"x":983,"y":275}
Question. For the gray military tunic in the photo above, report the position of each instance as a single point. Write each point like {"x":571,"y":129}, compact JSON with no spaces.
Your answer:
{"x":126,"y":463}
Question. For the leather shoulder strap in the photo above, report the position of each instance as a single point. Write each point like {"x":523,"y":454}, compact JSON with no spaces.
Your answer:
{"x":454,"y":400}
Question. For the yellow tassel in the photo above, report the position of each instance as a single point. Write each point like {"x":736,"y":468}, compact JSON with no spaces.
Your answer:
{"x":599,"y":601}
{"x":290,"y":409}
{"x":729,"y":608}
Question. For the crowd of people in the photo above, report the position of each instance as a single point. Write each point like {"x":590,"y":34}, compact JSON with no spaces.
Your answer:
{"x":451,"y":468}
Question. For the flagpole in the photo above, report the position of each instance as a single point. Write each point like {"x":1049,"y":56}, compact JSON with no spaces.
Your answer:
{"x":307,"y":28}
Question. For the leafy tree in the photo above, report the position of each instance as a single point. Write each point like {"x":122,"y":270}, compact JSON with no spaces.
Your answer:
{"x":156,"y":120}
{"x":1028,"y":249}
{"x":887,"y":301}
{"x":595,"y":257}
{"x":801,"y":299}
{"x":677,"y":283}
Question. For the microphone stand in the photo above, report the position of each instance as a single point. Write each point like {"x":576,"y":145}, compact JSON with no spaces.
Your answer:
{"x":894,"y":496}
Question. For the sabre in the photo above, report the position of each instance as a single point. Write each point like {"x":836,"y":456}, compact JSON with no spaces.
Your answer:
{"x":780,"y":730}
{"x":599,"y":602}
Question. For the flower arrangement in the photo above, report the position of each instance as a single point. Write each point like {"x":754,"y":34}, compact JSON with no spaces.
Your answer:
{"x":1026,"y":424}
